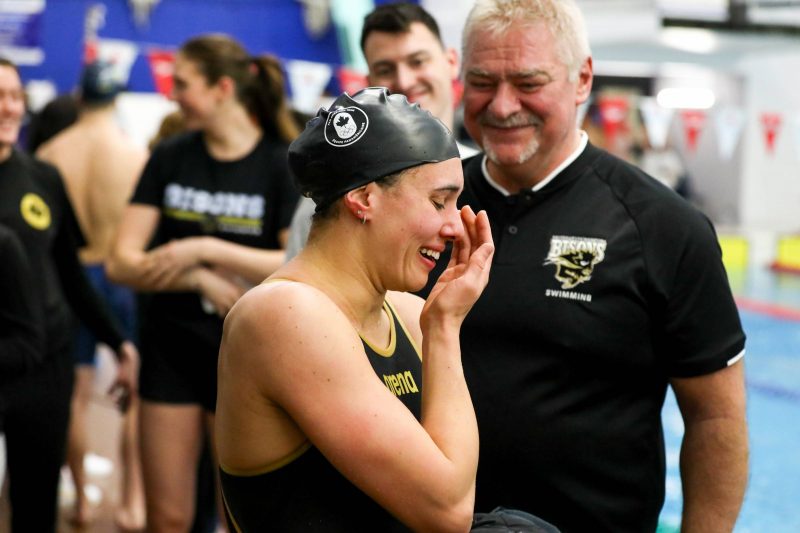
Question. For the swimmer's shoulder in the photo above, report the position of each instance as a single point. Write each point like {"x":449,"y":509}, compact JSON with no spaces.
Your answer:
{"x":283,"y":306}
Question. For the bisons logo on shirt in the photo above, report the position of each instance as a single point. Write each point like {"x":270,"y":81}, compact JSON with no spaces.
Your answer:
{"x":345,"y":126}
{"x":575,"y":258}
{"x":35,"y":211}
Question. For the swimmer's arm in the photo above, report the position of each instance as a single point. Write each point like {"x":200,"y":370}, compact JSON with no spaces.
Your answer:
{"x":310,"y":362}
{"x":714,"y":453}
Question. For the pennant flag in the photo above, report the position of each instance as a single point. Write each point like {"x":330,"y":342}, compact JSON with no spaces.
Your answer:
{"x":613,"y":112}
{"x":729,"y":123}
{"x":120,"y":54}
{"x":162,"y":66}
{"x":89,"y":51}
{"x":796,"y":128}
{"x":657,"y":120}
{"x":693,"y":122}
{"x":771,"y":124}
{"x":350,"y":80}
{"x":307,"y":80}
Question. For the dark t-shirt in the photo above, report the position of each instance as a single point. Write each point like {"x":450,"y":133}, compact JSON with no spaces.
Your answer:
{"x":21,"y":331}
{"x":604,"y":285}
{"x":34,"y":204}
{"x":246,"y":201}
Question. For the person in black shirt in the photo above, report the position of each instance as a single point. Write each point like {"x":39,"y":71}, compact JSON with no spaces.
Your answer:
{"x":606,"y":288}
{"x":207,"y":221}
{"x":33,"y":203}
{"x":21,"y":331}
{"x":326,"y":419}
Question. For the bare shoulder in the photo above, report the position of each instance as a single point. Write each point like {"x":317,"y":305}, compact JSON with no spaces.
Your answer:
{"x":58,"y":146}
{"x":409,"y":307}
{"x":282,"y":314}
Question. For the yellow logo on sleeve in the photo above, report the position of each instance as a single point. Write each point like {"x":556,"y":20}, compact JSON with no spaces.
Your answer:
{"x":35,"y":211}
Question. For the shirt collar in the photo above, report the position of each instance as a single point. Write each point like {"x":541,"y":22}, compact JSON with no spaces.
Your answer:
{"x":583,"y":140}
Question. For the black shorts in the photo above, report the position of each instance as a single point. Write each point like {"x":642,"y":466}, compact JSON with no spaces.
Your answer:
{"x":179,"y":366}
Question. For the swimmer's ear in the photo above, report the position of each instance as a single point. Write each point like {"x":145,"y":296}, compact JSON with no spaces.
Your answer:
{"x":357,"y":201}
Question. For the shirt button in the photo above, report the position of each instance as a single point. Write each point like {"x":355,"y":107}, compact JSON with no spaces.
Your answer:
{"x":513,"y":230}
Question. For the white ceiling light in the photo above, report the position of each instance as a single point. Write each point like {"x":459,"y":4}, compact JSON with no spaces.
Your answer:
{"x":685,"y":98}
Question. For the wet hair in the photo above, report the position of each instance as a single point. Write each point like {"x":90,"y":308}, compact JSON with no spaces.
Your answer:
{"x":366,"y":138}
{"x":397,"y":18}
{"x":259,"y":80}
{"x":562,"y":18}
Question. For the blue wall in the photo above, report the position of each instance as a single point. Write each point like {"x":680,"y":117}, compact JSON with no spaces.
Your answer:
{"x":273,"y":26}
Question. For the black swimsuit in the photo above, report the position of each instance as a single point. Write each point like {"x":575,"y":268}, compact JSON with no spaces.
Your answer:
{"x":303,"y":491}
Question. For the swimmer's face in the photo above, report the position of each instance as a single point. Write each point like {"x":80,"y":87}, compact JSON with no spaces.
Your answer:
{"x":197,"y":98}
{"x":12,"y":108}
{"x":416,"y":218}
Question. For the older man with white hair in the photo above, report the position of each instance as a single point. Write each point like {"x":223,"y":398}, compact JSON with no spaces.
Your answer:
{"x":606,"y":288}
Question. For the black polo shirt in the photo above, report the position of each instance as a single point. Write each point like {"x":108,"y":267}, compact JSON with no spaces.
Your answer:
{"x":604,"y":284}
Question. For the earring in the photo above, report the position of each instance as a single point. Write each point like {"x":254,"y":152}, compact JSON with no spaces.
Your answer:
{"x":363,"y":216}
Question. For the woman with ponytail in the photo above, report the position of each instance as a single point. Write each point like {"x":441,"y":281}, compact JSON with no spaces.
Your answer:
{"x":207,"y":221}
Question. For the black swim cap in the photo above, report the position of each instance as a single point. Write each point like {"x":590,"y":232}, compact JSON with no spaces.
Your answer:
{"x":364,"y":138}
{"x":99,"y":83}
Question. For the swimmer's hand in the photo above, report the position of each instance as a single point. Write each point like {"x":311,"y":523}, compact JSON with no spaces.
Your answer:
{"x":460,"y":285}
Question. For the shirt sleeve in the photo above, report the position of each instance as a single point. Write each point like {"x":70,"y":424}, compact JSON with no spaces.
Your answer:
{"x":81,"y":296}
{"x":702,"y":332}
{"x":21,"y":315}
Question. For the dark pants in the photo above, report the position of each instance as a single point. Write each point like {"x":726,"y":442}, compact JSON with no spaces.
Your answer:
{"x":36,"y":420}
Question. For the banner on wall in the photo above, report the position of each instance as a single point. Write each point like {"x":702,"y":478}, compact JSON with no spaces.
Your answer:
{"x":351,"y":81}
{"x":162,"y":67}
{"x":118,"y":53}
{"x":141,"y":11}
{"x":693,"y":122}
{"x":770,"y":126}
{"x":20,"y":31}
{"x":307,"y":81}
{"x":657,"y":120}
{"x":729,"y":124}
{"x":613,"y":113}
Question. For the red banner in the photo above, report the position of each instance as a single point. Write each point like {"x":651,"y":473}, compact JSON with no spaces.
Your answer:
{"x":613,"y":113}
{"x":351,"y":81}
{"x":89,"y":51}
{"x":162,"y":66}
{"x":693,"y":122}
{"x":770,"y":124}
